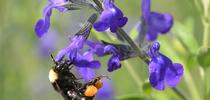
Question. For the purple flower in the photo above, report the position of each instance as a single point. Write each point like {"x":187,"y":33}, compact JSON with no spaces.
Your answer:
{"x":111,"y":17}
{"x":162,"y":71}
{"x":114,"y":62}
{"x":86,"y":64}
{"x":43,"y":25}
{"x":102,"y":50}
{"x":155,"y":22}
{"x":77,"y":43}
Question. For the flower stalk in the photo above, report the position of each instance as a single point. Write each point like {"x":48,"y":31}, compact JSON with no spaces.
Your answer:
{"x":206,"y":23}
{"x":140,"y":53}
{"x":206,"y":26}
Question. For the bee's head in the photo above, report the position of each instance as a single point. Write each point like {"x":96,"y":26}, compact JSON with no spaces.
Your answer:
{"x":61,"y":65}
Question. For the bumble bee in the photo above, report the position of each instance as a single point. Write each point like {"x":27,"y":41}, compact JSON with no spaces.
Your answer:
{"x":66,"y":83}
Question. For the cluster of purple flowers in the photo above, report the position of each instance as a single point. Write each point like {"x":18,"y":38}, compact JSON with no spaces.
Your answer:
{"x":161,"y":69}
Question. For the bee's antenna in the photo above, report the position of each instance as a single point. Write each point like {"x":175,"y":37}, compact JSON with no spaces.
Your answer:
{"x":53,"y":59}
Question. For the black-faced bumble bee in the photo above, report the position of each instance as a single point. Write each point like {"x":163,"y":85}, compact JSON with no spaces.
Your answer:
{"x":66,"y":83}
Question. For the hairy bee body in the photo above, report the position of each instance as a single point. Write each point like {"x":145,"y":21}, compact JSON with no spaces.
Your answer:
{"x":65,"y":83}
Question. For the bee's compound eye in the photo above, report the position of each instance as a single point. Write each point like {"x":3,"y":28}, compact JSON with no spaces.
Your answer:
{"x":53,"y":76}
{"x":98,"y":84}
{"x":90,"y":91}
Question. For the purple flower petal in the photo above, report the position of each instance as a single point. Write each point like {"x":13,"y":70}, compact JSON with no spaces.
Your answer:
{"x":109,"y":49}
{"x":155,"y":82}
{"x":117,"y":13}
{"x":160,"y":22}
{"x":161,"y":69}
{"x":61,"y":54}
{"x":73,"y":54}
{"x":157,"y":72}
{"x":174,"y":75}
{"x":111,"y":17}
{"x":113,"y":28}
{"x":86,"y":60}
{"x":122,"y":21}
{"x":94,"y":64}
{"x":86,"y":73}
{"x":113,"y":64}
{"x":151,"y":34}
{"x":154,"y":21}
{"x":146,"y":9}
{"x":101,"y":26}
{"x":96,"y":47}
{"x":43,"y":25}
{"x":39,"y":30}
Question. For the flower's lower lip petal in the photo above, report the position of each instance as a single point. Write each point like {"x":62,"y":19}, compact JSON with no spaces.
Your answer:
{"x":113,"y":63}
{"x":39,"y":28}
{"x":101,"y":26}
{"x":86,"y":73}
{"x":95,"y":64}
{"x":42,"y":26}
{"x":122,"y":21}
{"x":174,"y":74}
{"x":155,"y":82}
{"x":113,"y":28}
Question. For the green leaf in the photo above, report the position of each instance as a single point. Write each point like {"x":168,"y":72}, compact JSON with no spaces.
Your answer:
{"x":203,"y":57}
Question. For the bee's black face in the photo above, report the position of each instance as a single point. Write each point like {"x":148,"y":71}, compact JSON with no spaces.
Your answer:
{"x":63,"y":65}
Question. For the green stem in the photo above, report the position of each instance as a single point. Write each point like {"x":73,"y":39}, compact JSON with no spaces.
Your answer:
{"x":140,"y":53}
{"x":206,"y":22}
{"x":206,"y":26}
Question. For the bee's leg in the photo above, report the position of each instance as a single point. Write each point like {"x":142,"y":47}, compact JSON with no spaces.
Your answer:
{"x":79,"y":78}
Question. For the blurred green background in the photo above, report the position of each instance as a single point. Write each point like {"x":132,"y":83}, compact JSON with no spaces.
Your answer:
{"x":24,"y":71}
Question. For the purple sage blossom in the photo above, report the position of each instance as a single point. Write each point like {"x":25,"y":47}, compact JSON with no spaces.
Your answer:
{"x":111,"y":17}
{"x":43,"y":25}
{"x":77,"y":43}
{"x":73,"y":50}
{"x":86,"y":70}
{"x":162,"y":71}
{"x":154,"y":21}
{"x":102,"y":50}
